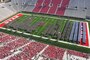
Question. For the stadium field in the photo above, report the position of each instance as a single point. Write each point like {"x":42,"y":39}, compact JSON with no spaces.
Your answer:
{"x":52,"y":27}
{"x":41,"y":22}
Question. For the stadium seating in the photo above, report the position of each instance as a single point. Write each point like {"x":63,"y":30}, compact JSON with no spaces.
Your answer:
{"x":19,"y":48}
{"x":31,"y":49}
{"x":17,"y":5}
{"x":29,"y":6}
{"x":54,"y":6}
{"x":51,"y":7}
{"x":6,"y":38}
{"x":45,"y":6}
{"x":8,"y":45}
{"x":77,"y":53}
{"x":87,"y":5}
{"x":60,"y":7}
{"x":3,"y":11}
{"x":54,"y":52}
{"x":77,"y":8}
{"x":38,"y":6}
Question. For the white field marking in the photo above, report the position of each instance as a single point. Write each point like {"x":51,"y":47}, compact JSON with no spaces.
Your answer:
{"x":13,"y":30}
{"x":44,"y":38}
{"x":53,"y":39}
{"x":36,"y":57}
{"x":3,"y":28}
{"x":36,"y":36}
{"x":59,"y":41}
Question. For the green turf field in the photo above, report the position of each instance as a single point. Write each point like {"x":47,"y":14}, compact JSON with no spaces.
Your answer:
{"x":42,"y":25}
{"x":38,"y":25}
{"x":46,"y":20}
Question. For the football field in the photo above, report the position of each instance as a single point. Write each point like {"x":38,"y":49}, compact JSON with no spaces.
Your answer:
{"x":64,"y":29}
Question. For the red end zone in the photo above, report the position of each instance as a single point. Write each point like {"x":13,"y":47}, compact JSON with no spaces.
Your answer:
{"x":87,"y":37}
{"x":10,"y":19}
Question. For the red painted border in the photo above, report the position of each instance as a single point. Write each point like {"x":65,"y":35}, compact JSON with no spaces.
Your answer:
{"x":10,"y":19}
{"x":87,"y":43}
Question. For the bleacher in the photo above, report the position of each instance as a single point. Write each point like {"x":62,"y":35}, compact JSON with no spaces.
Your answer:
{"x":51,"y":7}
{"x":70,"y":8}
{"x":19,"y":48}
{"x":6,"y":10}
